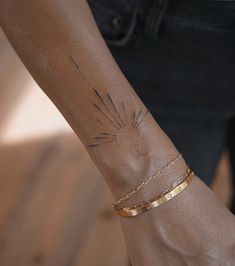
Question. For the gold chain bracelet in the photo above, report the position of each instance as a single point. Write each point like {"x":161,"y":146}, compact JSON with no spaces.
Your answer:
{"x":145,"y":182}
{"x":176,"y":188}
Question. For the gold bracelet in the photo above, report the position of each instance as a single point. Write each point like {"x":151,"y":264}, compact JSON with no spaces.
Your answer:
{"x":138,"y":187}
{"x":157,"y":201}
{"x":178,"y":181}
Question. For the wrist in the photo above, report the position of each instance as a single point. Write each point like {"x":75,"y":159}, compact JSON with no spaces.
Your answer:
{"x":137,"y":154}
{"x":130,"y":172}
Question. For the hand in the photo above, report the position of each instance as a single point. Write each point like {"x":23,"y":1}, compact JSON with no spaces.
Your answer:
{"x":194,"y":228}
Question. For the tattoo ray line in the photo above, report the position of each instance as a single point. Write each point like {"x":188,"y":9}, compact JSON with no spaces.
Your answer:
{"x":104,"y":137}
{"x":133,"y":119}
{"x":79,"y":68}
{"x":110,"y":120}
{"x":105,"y":105}
{"x":137,"y":118}
{"x":108,"y":134}
{"x":125,"y":114}
{"x":115,"y":109}
{"x":142,"y":119}
{"x":100,"y":122}
{"x":96,"y":144}
{"x":75,"y":63}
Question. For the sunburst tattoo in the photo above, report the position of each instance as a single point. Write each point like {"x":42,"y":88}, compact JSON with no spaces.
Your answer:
{"x":113,"y":116}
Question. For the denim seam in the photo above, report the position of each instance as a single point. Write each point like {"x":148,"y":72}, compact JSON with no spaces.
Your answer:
{"x":154,"y":18}
{"x":195,"y":23}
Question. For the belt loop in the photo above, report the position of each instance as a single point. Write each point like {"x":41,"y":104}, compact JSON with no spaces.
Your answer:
{"x":154,"y":17}
{"x":131,"y":28}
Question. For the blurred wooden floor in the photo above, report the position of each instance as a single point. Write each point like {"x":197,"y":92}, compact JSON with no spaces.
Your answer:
{"x":55,"y":208}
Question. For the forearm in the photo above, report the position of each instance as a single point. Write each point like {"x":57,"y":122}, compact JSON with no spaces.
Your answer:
{"x":62,"y":48}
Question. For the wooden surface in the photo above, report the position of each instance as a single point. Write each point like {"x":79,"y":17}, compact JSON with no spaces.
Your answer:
{"x":13,"y":79}
{"x":55,"y":208}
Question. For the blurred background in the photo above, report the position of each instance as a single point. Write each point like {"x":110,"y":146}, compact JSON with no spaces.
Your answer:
{"x":54,"y":206}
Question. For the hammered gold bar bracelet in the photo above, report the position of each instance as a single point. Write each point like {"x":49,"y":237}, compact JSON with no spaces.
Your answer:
{"x":157,"y":201}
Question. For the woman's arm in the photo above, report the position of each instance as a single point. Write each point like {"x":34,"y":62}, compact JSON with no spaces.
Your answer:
{"x":60,"y":44}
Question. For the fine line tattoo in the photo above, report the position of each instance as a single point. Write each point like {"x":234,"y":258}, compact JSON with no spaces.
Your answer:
{"x":117,"y":118}
{"x":112,"y":115}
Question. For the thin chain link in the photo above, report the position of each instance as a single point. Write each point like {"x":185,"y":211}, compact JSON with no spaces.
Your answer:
{"x":148,"y":179}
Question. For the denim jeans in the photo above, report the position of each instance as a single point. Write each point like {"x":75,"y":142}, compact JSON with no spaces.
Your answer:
{"x":179,"y":55}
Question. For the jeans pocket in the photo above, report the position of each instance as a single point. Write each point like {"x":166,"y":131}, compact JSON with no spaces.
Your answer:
{"x":115,"y":19}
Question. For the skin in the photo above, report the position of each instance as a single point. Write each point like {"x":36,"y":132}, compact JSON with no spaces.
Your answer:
{"x":59,"y":43}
